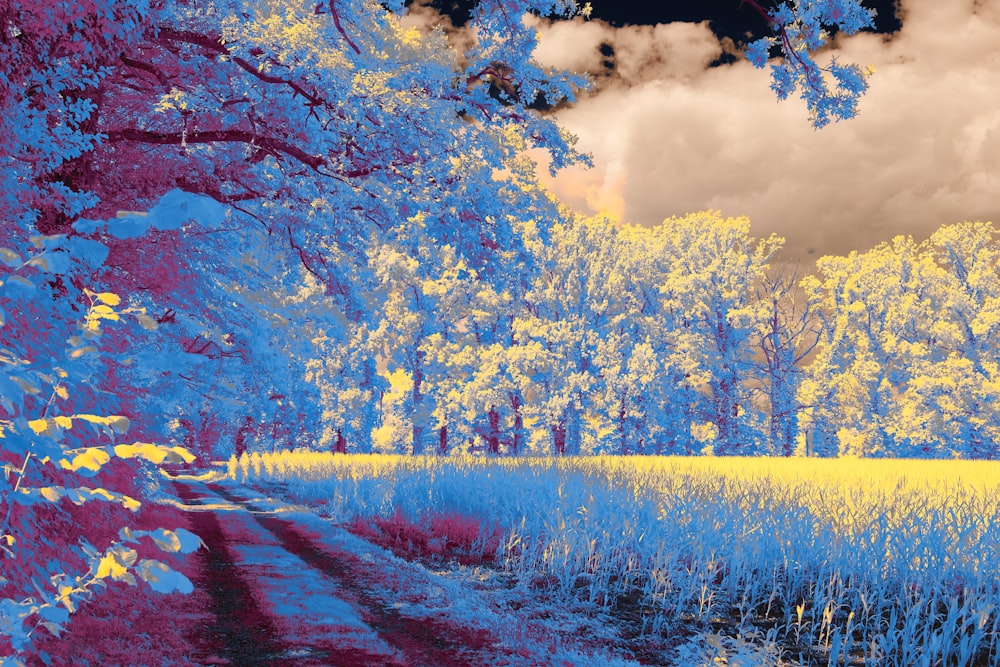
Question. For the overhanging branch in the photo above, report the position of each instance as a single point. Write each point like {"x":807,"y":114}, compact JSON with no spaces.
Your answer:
{"x":266,"y":143}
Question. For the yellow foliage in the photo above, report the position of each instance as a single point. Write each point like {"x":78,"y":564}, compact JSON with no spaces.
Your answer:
{"x":91,"y":458}
{"x":104,"y":312}
{"x":400,"y":381}
{"x":115,"y":564}
{"x":154,"y":453}
{"x":108,"y":298}
{"x":110,"y":567}
{"x":118,"y":423}
{"x":51,"y":493}
{"x":39,"y":426}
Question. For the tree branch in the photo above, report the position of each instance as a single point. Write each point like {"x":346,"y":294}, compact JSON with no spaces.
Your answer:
{"x":340,"y":28}
{"x":146,"y":67}
{"x":217,"y":136}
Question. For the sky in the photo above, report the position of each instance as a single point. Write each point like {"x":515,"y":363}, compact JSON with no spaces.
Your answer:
{"x":678,"y":121}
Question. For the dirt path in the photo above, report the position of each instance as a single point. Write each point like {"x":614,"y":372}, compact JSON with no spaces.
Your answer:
{"x":279,"y":598}
{"x":287,"y":592}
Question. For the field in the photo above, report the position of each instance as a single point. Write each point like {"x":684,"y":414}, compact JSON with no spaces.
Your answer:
{"x":717,"y":561}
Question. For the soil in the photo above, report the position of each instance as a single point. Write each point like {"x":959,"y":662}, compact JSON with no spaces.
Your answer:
{"x":246,"y":632}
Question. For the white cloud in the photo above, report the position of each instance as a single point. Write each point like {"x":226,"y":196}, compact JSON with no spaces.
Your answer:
{"x":670,"y":135}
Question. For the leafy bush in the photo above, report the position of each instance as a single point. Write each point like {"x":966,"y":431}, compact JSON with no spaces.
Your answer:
{"x":60,"y":455}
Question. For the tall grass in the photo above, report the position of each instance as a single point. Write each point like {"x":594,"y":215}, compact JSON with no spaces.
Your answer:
{"x":875,"y":562}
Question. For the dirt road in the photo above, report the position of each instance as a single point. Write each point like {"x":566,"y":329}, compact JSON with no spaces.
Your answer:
{"x":288,"y":588}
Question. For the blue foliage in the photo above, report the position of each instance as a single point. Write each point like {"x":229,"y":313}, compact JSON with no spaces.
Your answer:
{"x":757,"y":52}
{"x":800,"y":29}
{"x":173,"y":210}
{"x":177,"y":207}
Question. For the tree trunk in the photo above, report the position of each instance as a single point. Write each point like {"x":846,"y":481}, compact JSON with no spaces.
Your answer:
{"x":340,"y":445}
{"x":727,"y":410}
{"x":371,"y":410}
{"x":622,"y":430}
{"x":245,"y":430}
{"x":559,"y":437}
{"x":493,"y":435}
{"x":443,"y":440}
{"x":518,"y":436}
{"x":574,"y":434}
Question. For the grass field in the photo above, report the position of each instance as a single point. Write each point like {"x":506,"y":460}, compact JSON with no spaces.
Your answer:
{"x":777,"y":561}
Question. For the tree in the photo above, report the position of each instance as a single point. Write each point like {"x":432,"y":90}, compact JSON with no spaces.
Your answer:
{"x":275,"y":150}
{"x":786,"y":334}
{"x":891,"y":369}
{"x":324,"y":126}
{"x":966,"y":396}
{"x":709,"y":269}
{"x":579,"y":296}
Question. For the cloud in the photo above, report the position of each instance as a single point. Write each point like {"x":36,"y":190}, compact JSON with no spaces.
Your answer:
{"x":670,"y":135}
{"x":638,"y":53}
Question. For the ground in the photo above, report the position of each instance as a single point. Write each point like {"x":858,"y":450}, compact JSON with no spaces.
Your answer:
{"x":286,"y":587}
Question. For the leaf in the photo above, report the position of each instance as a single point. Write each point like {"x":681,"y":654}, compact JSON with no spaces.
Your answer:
{"x":93,"y":419}
{"x":81,"y":495}
{"x":119,"y":424}
{"x":189,"y":541}
{"x":54,"y":614}
{"x":174,"y":541}
{"x":49,"y":427}
{"x":78,"y":496}
{"x":62,"y":421}
{"x":56,"y":262}
{"x":154,"y":453}
{"x":51,"y":493}
{"x":161,"y":578}
{"x":54,"y":628}
{"x":85,"y":226}
{"x":128,"y":227}
{"x":108,"y":298}
{"x":104,"y":312}
{"x":80,"y":351}
{"x":25,"y":386}
{"x":92,"y":253}
{"x":22,"y":284}
{"x":90,"y":459}
{"x":65,"y":596}
{"x":146,"y":322}
{"x":115,"y":563}
{"x":61,"y":392}
{"x":178,"y":207}
{"x":165,"y":540}
{"x":38,"y":426}
{"x":9,"y":257}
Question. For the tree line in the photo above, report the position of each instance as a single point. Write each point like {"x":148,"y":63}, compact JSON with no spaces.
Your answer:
{"x":685,"y":338}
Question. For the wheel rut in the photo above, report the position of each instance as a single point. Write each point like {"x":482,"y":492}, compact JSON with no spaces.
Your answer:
{"x":252,"y":624}
{"x":241,"y":633}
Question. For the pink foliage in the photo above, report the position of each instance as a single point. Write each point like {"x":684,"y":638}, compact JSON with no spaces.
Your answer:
{"x":442,"y":536}
{"x":129,"y":626}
